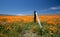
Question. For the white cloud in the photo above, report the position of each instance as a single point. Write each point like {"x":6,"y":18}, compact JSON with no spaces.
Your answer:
{"x":30,"y":12}
{"x":51,"y":8}
{"x":20,"y":14}
{"x":54,"y":8}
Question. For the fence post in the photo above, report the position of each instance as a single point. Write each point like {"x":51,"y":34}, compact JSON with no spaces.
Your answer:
{"x":34,"y":16}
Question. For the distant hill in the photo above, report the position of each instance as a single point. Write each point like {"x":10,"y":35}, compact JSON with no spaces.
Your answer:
{"x":6,"y":15}
{"x":29,"y":15}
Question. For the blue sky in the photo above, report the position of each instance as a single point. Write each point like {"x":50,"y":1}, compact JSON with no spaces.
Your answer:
{"x":27,"y":7}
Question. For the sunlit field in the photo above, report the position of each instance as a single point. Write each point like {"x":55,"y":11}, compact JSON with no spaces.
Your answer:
{"x":24,"y":26}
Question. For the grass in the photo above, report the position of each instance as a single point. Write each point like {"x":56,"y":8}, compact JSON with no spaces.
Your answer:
{"x":18,"y":29}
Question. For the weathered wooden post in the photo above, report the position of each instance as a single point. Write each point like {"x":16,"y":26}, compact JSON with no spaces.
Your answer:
{"x":34,"y":16}
{"x":38,"y":20}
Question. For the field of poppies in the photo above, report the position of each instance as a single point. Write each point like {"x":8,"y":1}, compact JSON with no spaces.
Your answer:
{"x":24,"y":26}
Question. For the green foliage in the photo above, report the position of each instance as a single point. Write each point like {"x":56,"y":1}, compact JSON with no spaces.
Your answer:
{"x":15,"y":29}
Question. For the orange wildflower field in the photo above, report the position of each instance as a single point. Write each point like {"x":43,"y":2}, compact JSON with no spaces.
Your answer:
{"x":51,"y":19}
{"x":17,"y":26}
